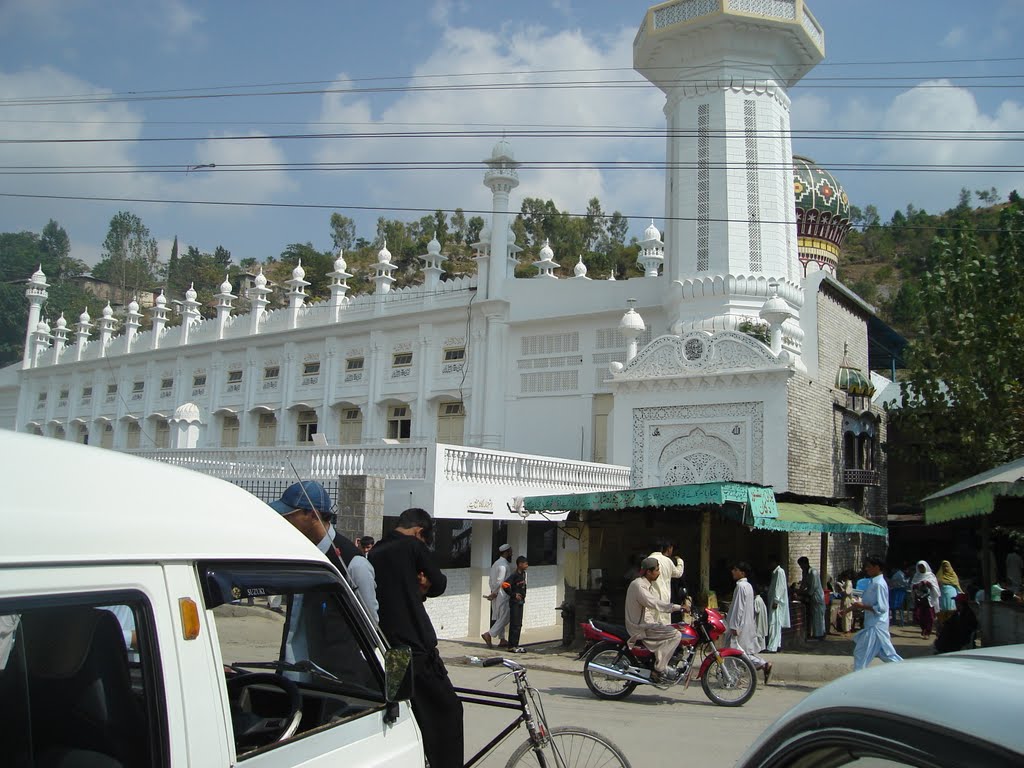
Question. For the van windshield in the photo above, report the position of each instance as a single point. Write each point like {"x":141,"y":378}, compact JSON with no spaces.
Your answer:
{"x":283,"y":626}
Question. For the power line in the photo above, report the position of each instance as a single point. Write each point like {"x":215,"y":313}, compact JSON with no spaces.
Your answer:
{"x":403,"y":209}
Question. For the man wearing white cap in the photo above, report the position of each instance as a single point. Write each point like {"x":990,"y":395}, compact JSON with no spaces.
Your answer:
{"x":500,"y":571}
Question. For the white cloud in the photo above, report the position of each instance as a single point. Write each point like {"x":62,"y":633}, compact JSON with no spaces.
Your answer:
{"x":954,"y":38}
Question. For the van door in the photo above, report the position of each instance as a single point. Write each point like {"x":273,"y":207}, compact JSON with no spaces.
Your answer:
{"x":87,"y":667}
{"x":303,"y":678}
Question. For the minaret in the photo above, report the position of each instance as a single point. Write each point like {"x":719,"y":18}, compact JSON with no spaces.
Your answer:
{"x":296,"y":294}
{"x":82,"y":334}
{"x":106,"y":326}
{"x":652,"y":251}
{"x":579,"y":272}
{"x":224,"y":299}
{"x":40,"y":342}
{"x":631,"y":326}
{"x":258,"y":299}
{"x":60,"y":338}
{"x":339,"y":285}
{"x":159,"y":319}
{"x":36,"y":295}
{"x":501,"y":178}
{"x":725,"y":72}
{"x":131,"y":324}
{"x":432,"y":264}
{"x":546,"y":265}
{"x":384,"y":268}
{"x":189,"y":313}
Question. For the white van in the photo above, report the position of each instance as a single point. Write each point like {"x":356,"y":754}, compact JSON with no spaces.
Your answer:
{"x":152,"y":616}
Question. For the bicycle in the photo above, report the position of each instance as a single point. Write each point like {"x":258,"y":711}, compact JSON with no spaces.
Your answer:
{"x":565,"y":746}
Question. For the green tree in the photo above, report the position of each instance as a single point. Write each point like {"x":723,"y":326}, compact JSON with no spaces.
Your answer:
{"x":963,"y":391}
{"x":458,"y":226}
{"x":129,"y":258}
{"x":343,"y":231}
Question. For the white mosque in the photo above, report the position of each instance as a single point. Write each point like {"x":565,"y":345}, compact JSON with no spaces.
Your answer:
{"x":464,"y":395}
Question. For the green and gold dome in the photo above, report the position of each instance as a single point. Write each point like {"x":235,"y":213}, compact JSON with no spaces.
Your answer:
{"x":822,"y":215}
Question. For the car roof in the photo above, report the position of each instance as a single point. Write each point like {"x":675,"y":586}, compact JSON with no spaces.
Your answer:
{"x":981,"y":690}
{"x":67,"y":503}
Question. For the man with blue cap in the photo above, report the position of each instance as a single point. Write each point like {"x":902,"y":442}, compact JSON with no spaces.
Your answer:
{"x":307,"y":506}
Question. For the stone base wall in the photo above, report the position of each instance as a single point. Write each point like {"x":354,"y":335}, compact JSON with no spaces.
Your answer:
{"x":360,"y":506}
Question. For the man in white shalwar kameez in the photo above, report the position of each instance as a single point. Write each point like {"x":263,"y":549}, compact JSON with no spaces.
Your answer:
{"x":741,"y":630}
{"x":874,"y":640}
{"x":500,"y":571}
{"x":778,"y":608}
{"x":671,"y":567}
{"x":643,"y":603}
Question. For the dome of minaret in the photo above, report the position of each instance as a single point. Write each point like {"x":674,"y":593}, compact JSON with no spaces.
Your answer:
{"x":38,"y":276}
{"x":61,"y":322}
{"x":546,"y":254}
{"x":652,"y":233}
{"x":340,"y":265}
{"x":631,"y":321}
{"x":108,"y":311}
{"x":502,"y":150}
{"x":42,"y":327}
{"x":384,"y":255}
{"x":225,"y":287}
{"x":822,"y":214}
{"x":511,"y":234}
{"x":298,"y":273}
{"x":161,"y":300}
{"x":485,"y":234}
{"x":133,"y":306}
{"x":434,"y":247}
{"x":260,"y":279}
{"x":190,"y":294}
{"x":580,"y":270}
{"x":84,"y":317}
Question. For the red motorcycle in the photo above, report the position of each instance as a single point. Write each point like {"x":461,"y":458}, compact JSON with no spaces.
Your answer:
{"x":613,"y":670}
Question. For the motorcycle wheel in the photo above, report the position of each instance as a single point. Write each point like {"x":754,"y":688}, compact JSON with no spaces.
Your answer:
{"x":604,"y":686}
{"x":731,"y":683}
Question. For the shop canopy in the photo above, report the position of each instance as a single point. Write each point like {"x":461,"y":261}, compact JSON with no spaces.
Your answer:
{"x":746,"y":503}
{"x":980,"y":496}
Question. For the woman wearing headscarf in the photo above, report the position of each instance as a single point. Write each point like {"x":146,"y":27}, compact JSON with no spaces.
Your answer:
{"x":949,"y":586}
{"x":926,"y":597}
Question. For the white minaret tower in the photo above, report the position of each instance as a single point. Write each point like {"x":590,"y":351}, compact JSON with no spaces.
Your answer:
{"x":339,"y":284}
{"x":631,"y":326}
{"x":724,"y":68}
{"x":384,"y":268}
{"x":132,"y":324}
{"x":224,"y":299}
{"x":501,"y":178}
{"x":432,"y":264}
{"x":652,"y":251}
{"x":60,"y":338}
{"x":36,"y":295}
{"x":189,"y":313}
{"x":258,"y":299}
{"x":82,"y":333}
{"x":106,"y":326}
{"x":546,"y":264}
{"x":296,"y":294}
{"x":159,"y":319}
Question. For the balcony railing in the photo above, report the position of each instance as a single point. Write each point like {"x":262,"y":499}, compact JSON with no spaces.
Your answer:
{"x":861,"y":477}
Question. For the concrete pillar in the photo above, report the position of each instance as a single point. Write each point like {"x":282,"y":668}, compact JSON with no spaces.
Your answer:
{"x":479,"y":573}
{"x":360,"y":506}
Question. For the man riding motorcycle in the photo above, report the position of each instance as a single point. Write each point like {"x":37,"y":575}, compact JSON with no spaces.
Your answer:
{"x":643,"y":602}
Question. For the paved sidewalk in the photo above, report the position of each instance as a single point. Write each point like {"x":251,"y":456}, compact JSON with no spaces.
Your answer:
{"x":817,"y":662}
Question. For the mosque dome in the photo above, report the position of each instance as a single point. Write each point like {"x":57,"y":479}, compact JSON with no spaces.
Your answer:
{"x":133,"y":306}
{"x":161,"y":300}
{"x":502,"y":150}
{"x":61,"y":322}
{"x":42,"y":327}
{"x":822,"y":214}
{"x":546,"y":254}
{"x":631,"y":321}
{"x":652,"y":233}
{"x":580,"y":270}
{"x":485,"y":234}
{"x":260,"y":280}
{"x":108,"y":311}
{"x":340,"y":265}
{"x":851,"y":380}
{"x":225,"y":287}
{"x":434,"y":247}
{"x":84,"y":317}
{"x":190,"y":294}
{"x":298,"y":273}
{"x":38,"y":276}
{"x":384,"y":255}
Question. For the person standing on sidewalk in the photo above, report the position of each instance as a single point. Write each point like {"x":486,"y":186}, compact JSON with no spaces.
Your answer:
{"x":740,"y":622}
{"x":813,"y":593}
{"x":500,"y":571}
{"x":778,"y":607}
{"x":874,"y":640}
{"x":406,"y":576}
{"x":515,"y":588}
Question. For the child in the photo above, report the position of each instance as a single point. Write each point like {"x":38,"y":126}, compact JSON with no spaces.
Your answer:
{"x":515,"y":588}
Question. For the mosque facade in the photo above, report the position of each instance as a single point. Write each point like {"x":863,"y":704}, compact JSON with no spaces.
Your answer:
{"x":737,"y":356}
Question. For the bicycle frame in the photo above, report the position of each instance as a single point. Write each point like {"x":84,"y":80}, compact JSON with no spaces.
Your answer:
{"x":502,"y":701}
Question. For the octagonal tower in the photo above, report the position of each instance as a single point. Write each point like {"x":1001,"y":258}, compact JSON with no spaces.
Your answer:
{"x":724,"y":66}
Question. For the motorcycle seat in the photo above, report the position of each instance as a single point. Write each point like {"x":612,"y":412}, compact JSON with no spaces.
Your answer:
{"x":612,"y":629}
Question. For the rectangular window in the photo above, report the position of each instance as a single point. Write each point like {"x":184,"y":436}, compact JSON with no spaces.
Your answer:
{"x":111,"y":389}
{"x":64,"y":394}
{"x":133,"y":438}
{"x":234,"y":377}
{"x":107,"y":436}
{"x":310,"y":369}
{"x":399,"y":423}
{"x":401,"y":359}
{"x":86,"y":392}
{"x":266,"y":435}
{"x":138,"y":386}
{"x":199,"y":380}
{"x":307,"y":422}
{"x":162,"y":438}
{"x":456,"y":353}
{"x":351,"y":427}
{"x":229,"y":431}
{"x":80,"y":681}
{"x":166,"y":383}
{"x":354,"y":364}
{"x":271,"y":372}
{"x":42,"y":397}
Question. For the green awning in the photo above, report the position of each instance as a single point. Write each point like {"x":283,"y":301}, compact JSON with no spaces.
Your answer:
{"x":976,"y":495}
{"x":821,"y":518}
{"x":760,"y":500}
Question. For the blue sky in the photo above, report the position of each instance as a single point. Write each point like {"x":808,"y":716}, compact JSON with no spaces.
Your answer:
{"x":227,"y":55}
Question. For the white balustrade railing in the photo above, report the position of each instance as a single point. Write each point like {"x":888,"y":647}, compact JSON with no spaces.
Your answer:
{"x":429,"y":462}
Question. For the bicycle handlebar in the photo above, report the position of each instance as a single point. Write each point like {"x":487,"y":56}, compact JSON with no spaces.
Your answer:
{"x":495,"y":661}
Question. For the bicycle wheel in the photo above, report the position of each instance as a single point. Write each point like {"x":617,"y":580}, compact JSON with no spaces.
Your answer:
{"x":732,"y":683}
{"x":569,"y":746}
{"x":603,"y":685}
